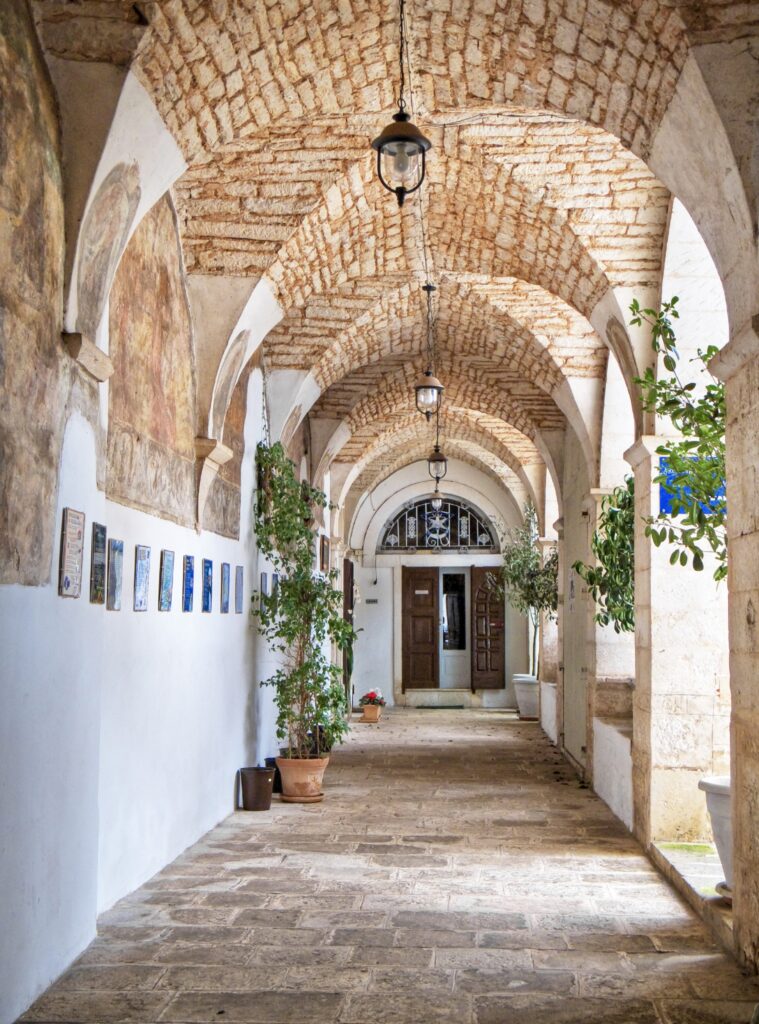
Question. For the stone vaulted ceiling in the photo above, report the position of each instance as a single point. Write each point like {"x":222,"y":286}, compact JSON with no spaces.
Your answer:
{"x":538,"y":205}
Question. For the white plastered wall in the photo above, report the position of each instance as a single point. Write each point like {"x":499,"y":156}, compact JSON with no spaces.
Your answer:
{"x":121,"y":732}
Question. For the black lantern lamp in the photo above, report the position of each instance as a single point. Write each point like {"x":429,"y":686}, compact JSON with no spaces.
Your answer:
{"x":437,"y":464}
{"x":400,"y":146}
{"x":429,"y":390}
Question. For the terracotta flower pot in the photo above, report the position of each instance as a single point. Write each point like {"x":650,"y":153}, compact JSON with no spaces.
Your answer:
{"x":302,"y":778}
{"x":372,"y":713}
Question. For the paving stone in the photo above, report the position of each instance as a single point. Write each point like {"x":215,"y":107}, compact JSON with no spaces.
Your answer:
{"x":707,"y":1013}
{"x":407,"y":1009}
{"x":498,"y":1010}
{"x":261,"y":1007}
{"x":108,"y":1007}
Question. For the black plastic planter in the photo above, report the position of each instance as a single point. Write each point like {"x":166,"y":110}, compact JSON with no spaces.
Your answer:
{"x":256,"y":784}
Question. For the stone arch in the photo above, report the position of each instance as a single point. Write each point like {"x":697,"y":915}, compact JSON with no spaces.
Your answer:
{"x":458,"y":427}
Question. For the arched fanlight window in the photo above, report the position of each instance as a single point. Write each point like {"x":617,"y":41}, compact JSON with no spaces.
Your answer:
{"x":456,"y":526}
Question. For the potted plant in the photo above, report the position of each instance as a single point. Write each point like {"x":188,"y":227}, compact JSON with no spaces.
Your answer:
{"x":300,"y":621}
{"x":372,"y":704}
{"x":530,"y":585}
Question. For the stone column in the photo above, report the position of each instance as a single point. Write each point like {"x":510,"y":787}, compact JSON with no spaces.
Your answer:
{"x":549,"y":627}
{"x":611,"y":655}
{"x":741,"y":374}
{"x":548,"y":658}
{"x":559,"y":528}
{"x":681,"y":673}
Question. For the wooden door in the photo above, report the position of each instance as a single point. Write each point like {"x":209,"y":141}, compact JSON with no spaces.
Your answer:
{"x":487,"y":633}
{"x":420,"y":629}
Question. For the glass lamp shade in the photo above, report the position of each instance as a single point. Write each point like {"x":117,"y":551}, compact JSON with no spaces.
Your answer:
{"x":436,"y":501}
{"x":401,"y":149}
{"x":429,"y":393}
{"x":437,"y":464}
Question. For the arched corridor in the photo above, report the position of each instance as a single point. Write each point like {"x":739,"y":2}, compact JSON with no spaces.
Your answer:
{"x":458,"y":872}
{"x":345,"y":346}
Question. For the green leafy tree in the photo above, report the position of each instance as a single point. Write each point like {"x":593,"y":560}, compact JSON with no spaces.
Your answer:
{"x":693,"y":473}
{"x":611,"y":580}
{"x":303,"y":615}
{"x":529,"y":584}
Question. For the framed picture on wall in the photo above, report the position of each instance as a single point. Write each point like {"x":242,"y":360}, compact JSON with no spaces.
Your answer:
{"x":72,"y":553}
{"x":324,"y":553}
{"x":97,"y":564}
{"x":141,"y":577}
{"x":188,"y":582}
{"x":115,"y":574}
{"x":225,"y":588}
{"x":207,"y":584}
{"x":166,"y":581}
{"x":238,"y":589}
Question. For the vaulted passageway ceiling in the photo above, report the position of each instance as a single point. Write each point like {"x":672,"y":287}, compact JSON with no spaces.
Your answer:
{"x":379,"y":448}
{"x":539,"y":209}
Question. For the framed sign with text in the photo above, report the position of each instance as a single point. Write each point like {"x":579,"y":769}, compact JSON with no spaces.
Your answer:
{"x":72,"y":553}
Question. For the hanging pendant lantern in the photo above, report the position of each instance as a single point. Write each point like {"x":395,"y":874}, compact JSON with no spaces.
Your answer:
{"x":429,"y":393}
{"x":401,"y":160}
{"x":437,"y":464}
{"x":429,"y":390}
{"x":436,"y":500}
{"x":401,"y":148}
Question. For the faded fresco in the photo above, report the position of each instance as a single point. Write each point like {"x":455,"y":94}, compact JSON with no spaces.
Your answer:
{"x":104,"y":234}
{"x":222,"y":511}
{"x":151,"y":423}
{"x":34,"y":369}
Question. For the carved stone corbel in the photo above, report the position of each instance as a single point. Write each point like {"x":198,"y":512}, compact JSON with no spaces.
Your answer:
{"x":211,"y":456}
{"x":93,"y":360}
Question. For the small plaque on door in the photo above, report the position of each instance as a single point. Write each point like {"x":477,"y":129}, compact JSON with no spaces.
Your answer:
{"x":421,"y":591}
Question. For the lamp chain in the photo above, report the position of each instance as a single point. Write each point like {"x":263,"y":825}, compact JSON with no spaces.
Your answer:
{"x":402,"y":53}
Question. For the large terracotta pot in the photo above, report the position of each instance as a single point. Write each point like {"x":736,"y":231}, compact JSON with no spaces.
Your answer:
{"x":372,"y":713}
{"x":302,"y":778}
{"x":528,"y":695}
{"x":717,"y":789}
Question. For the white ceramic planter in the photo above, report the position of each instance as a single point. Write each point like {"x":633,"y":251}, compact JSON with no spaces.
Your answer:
{"x":717,"y":789}
{"x":528,"y":695}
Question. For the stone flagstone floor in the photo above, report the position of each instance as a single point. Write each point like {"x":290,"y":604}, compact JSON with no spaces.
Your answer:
{"x":456,"y":872}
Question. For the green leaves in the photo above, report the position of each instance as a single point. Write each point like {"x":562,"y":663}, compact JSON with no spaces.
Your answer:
{"x":693,"y":470}
{"x":611,"y":581}
{"x":305,"y":615}
{"x":529,"y":585}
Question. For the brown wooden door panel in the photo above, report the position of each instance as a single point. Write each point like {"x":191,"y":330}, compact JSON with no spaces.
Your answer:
{"x":420,"y":628}
{"x":422,"y":631}
{"x":487,"y":633}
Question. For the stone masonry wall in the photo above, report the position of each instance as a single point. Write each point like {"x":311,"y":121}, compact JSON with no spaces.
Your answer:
{"x":34,"y":368}
{"x":743,"y":527}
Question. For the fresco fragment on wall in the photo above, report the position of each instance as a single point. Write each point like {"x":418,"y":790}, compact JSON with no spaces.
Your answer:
{"x":104,"y":234}
{"x":151,"y":422}
{"x":222,"y":511}
{"x":35,"y":372}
